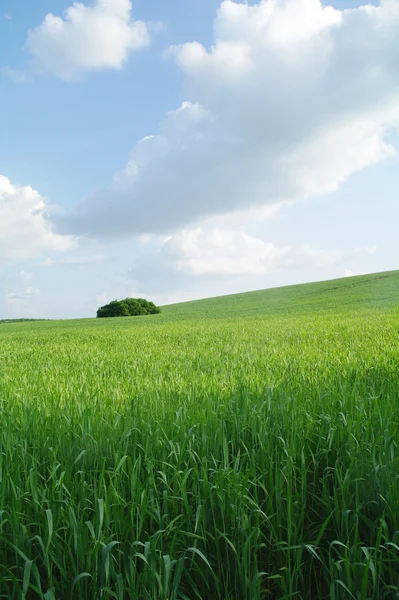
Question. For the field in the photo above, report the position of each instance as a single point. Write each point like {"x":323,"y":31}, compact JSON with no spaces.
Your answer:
{"x":236,"y":448}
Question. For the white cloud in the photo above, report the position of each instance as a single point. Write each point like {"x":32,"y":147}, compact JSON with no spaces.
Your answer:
{"x":351,"y":273}
{"x":290,"y":100}
{"x":25,"y":231}
{"x":216,"y":252}
{"x":22,"y":303}
{"x":27,"y":294}
{"x":25,"y":276}
{"x":88,"y":37}
{"x":206,"y":254}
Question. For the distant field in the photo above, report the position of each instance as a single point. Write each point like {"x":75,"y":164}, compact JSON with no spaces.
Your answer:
{"x":235,"y":448}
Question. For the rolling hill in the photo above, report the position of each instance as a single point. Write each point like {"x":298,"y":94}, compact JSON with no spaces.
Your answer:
{"x":377,"y":290}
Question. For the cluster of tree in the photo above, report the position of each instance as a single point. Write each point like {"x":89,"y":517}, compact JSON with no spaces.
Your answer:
{"x":19,"y":320}
{"x":129,"y":307}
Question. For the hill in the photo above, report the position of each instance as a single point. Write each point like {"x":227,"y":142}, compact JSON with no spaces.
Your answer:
{"x":377,"y":290}
{"x":347,"y":295}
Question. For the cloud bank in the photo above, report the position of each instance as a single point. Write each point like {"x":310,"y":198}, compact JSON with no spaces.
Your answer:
{"x":290,"y":100}
{"x":217,"y":254}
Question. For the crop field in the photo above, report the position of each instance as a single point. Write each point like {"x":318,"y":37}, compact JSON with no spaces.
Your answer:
{"x":237,"y":448}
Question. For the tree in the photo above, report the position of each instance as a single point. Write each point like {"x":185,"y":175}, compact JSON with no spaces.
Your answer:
{"x":129,"y":307}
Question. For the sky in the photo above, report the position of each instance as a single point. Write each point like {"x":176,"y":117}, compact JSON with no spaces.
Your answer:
{"x":192,"y":148}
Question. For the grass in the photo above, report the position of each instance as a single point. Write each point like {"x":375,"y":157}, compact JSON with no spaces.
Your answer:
{"x":378,"y":290}
{"x":237,"y":448}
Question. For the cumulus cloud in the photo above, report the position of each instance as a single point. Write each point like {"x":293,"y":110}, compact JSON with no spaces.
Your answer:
{"x":290,"y":100}
{"x":88,"y":37}
{"x":25,"y":230}
{"x":217,"y":254}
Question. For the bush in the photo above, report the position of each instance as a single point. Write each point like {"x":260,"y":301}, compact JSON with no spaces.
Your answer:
{"x":129,"y":307}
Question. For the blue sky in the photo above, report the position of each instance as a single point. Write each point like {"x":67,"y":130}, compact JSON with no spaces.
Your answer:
{"x":273,"y":156}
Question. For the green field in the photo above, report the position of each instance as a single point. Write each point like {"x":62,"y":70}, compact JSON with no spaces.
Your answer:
{"x":236,"y":448}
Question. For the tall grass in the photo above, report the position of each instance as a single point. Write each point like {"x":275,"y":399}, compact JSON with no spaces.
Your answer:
{"x":243,"y":459}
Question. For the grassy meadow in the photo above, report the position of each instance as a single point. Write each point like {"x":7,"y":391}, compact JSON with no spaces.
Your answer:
{"x":236,"y":448}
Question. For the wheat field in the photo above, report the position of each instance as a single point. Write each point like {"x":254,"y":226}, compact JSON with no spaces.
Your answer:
{"x":240,"y":448}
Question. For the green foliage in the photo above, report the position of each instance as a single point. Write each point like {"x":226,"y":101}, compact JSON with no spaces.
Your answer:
{"x":129,"y":307}
{"x":248,"y":457}
{"x":19,"y":320}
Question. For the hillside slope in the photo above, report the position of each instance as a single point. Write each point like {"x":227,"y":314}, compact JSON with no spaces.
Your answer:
{"x":377,"y":290}
{"x":347,"y":295}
